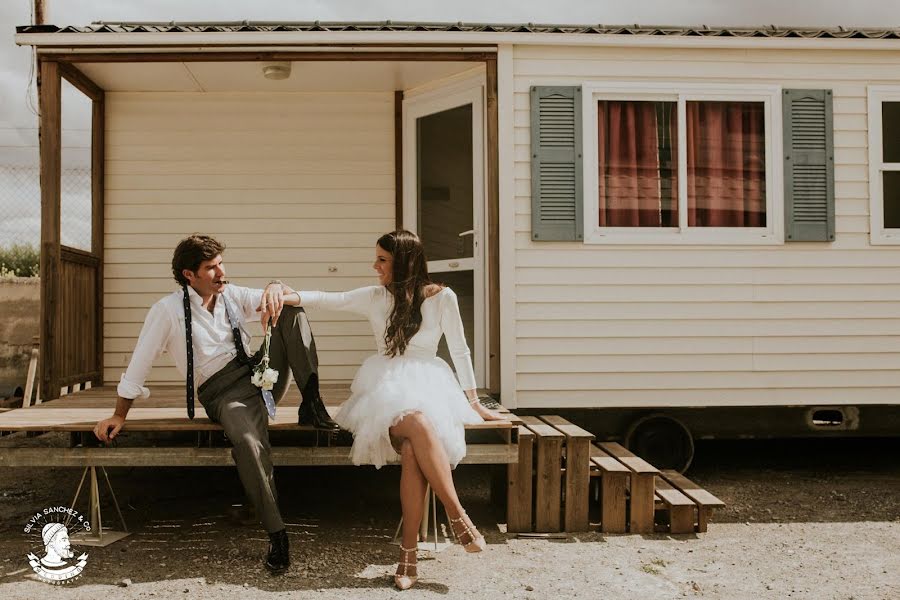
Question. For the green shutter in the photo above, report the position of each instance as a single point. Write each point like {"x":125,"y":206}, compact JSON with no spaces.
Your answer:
{"x":808,"y":166}
{"x":556,"y":164}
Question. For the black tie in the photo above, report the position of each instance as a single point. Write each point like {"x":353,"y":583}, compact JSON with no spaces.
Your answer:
{"x":189,"y":345}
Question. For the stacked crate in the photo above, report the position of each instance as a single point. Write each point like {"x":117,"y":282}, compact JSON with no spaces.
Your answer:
{"x":562,"y":475}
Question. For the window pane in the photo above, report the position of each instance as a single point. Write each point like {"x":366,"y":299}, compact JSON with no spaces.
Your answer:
{"x":726,"y":164}
{"x":891,"y":188}
{"x":637,"y":164}
{"x":890,"y":131}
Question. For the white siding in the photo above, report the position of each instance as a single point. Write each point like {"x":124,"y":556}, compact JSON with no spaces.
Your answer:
{"x":298,"y":187}
{"x":654,"y":325}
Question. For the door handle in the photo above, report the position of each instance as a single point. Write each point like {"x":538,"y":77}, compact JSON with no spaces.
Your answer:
{"x":453,"y":264}
{"x":469,"y":232}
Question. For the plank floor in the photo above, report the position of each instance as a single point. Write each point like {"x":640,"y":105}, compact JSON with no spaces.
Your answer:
{"x":163,"y":411}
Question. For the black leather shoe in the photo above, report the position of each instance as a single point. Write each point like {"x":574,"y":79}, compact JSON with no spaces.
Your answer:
{"x":314,"y":413}
{"x":279,"y":557}
{"x":312,"y":410}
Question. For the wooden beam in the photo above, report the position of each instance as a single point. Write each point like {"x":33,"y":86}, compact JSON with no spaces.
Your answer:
{"x":98,"y":203}
{"x":79,"y":256}
{"x":398,"y":158}
{"x":50,"y":156}
{"x":81,"y":81}
{"x":493,"y":230}
{"x":286,"y":55}
{"x":484,"y":454}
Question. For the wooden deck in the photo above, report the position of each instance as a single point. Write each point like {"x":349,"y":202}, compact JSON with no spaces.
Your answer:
{"x":163,"y":411}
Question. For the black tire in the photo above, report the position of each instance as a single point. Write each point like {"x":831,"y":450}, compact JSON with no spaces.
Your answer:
{"x":661,"y":440}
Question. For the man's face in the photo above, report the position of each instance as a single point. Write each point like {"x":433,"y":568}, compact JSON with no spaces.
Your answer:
{"x":62,"y":546}
{"x":209,"y":278}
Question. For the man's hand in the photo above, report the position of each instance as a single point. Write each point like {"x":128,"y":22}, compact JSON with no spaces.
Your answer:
{"x":271,"y":304}
{"x":107,"y":429}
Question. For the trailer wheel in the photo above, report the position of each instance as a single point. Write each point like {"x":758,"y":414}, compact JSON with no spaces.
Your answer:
{"x":661,"y":440}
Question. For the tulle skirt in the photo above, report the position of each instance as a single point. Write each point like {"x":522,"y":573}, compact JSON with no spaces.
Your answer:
{"x":386,"y":389}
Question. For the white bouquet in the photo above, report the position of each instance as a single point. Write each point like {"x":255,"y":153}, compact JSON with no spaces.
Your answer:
{"x":263,"y":376}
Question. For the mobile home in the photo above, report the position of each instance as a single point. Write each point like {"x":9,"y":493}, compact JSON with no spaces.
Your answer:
{"x":665,"y":233}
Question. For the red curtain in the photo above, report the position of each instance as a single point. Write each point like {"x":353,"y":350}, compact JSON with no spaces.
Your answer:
{"x":726,"y":161}
{"x":636,"y":158}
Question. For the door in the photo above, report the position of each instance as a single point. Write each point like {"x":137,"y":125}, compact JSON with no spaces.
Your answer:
{"x":443,"y":200}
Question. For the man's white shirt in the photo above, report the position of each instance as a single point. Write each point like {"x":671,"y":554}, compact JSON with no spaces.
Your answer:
{"x":213,"y":340}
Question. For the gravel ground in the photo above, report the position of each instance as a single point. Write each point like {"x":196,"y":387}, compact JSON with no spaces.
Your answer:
{"x":815,"y":519}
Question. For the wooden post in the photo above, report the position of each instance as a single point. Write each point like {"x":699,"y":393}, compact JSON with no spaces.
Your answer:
{"x":32,"y":372}
{"x":493,"y":223}
{"x":50,"y":153}
{"x":38,"y":12}
{"x":98,"y":159}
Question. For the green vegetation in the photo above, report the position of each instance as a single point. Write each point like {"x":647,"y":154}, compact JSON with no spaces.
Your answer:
{"x":20,"y":260}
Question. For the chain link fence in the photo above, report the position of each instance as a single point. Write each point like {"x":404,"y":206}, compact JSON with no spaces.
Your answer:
{"x":20,"y":215}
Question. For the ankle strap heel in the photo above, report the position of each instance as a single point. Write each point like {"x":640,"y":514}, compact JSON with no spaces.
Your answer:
{"x":476,"y":541}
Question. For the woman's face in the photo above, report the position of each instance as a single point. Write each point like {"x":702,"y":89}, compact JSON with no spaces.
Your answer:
{"x":384,"y":265}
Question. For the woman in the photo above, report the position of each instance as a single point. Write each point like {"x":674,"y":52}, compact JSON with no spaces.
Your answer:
{"x":404,"y":400}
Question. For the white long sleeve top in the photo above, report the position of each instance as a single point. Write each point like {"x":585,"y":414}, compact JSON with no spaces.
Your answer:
{"x":213,"y":340}
{"x":440,"y":316}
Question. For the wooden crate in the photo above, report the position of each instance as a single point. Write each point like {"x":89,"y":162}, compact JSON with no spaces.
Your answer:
{"x":561,"y":475}
{"x":549,"y":486}
{"x":641,"y":487}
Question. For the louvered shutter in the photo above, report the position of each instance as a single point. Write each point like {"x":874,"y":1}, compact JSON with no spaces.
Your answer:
{"x":808,"y":166}
{"x":556,"y":164}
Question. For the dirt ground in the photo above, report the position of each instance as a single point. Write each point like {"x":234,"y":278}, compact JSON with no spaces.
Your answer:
{"x":817,"y":519}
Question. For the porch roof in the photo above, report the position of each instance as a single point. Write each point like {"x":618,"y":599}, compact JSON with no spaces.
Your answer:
{"x":768,"y":31}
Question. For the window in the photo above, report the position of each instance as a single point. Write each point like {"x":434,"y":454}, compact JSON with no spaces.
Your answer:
{"x":681,"y":164}
{"x":884,"y":161}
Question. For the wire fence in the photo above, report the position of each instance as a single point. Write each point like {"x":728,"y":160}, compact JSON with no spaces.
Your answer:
{"x":20,"y":206}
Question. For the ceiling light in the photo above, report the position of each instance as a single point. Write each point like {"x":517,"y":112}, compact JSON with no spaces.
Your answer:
{"x":277,"y":70}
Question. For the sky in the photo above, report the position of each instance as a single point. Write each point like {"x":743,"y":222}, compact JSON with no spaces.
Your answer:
{"x":18,"y":132}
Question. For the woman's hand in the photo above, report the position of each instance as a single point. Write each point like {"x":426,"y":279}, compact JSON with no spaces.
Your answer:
{"x":484,"y":413}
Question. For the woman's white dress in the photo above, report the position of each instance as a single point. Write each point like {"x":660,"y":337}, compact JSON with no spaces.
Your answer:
{"x":386,"y":388}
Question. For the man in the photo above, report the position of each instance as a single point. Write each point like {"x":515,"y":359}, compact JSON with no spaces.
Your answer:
{"x":212,"y":315}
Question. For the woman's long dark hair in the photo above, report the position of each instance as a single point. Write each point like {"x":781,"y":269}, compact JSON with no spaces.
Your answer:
{"x":408,"y":283}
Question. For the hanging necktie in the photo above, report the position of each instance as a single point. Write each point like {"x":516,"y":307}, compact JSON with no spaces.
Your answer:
{"x":242,"y":357}
{"x":189,"y":346}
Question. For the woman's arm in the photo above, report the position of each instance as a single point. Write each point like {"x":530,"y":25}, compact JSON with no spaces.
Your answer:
{"x":452,"y":326}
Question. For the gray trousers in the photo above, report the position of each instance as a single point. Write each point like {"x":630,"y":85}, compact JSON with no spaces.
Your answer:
{"x":232,"y":401}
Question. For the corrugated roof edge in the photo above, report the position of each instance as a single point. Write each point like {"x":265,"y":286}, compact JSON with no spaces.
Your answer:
{"x":770,"y":31}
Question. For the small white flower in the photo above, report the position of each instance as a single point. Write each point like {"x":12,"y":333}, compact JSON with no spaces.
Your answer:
{"x":264,"y":377}
{"x":268,"y":379}
{"x":257,"y":379}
